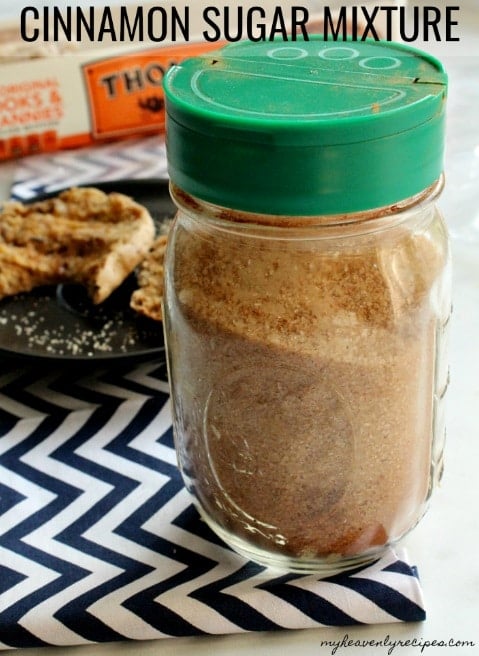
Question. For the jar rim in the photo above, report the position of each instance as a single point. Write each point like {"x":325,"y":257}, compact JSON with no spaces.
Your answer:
{"x":365,"y":221}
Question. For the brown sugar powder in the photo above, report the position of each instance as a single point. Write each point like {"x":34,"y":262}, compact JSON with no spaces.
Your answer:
{"x":305,"y":414}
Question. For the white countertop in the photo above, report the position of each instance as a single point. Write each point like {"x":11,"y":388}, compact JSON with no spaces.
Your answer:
{"x":444,"y":545}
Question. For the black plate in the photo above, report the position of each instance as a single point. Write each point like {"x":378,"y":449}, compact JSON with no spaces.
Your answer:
{"x":61,"y":324}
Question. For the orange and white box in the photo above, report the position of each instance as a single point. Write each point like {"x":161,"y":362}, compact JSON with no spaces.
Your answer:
{"x":57,"y":95}
{"x":68,"y":92}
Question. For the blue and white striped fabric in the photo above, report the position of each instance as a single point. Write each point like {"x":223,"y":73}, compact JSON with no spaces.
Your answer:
{"x":119,"y":160}
{"x":99,"y":540}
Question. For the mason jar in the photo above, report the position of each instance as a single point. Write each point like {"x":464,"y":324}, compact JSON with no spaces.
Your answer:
{"x":307,"y":295}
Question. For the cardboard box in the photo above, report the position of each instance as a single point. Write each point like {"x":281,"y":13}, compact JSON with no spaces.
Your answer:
{"x":66,"y":94}
{"x":74,"y":83}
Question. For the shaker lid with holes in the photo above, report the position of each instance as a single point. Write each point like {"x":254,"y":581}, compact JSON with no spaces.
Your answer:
{"x":306,"y":127}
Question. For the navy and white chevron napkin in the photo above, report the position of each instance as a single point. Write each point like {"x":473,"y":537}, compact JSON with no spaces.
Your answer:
{"x":130,"y":159}
{"x":99,"y":540}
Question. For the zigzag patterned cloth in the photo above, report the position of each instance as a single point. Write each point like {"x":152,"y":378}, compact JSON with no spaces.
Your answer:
{"x":99,"y":540}
{"x":120,"y":160}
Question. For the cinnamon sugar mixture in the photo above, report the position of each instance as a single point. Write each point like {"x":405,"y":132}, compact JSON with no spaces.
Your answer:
{"x":306,"y":361}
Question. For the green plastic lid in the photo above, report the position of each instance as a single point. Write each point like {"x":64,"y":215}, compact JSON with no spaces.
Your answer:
{"x":306,"y":127}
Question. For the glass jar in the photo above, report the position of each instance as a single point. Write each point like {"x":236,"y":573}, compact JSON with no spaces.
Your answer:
{"x":304,"y":316}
